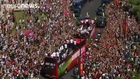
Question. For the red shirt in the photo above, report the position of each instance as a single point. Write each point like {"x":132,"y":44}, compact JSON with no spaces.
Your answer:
{"x":136,"y":52}
{"x":107,"y":46}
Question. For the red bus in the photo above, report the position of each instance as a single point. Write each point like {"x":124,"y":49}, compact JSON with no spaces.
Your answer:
{"x":53,"y":69}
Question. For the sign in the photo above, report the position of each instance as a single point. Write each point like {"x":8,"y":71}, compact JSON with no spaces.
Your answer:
{"x":81,"y":67}
{"x":78,"y":53}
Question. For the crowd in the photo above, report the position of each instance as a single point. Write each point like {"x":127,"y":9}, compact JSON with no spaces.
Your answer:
{"x":25,"y":43}
{"x":116,"y":54}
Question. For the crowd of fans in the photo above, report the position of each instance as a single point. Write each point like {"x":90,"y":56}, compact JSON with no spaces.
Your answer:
{"x":24,"y":44}
{"x":47,"y":30}
{"x":116,"y":53}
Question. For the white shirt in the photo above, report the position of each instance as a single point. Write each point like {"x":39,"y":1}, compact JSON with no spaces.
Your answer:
{"x":89,"y":28}
{"x":46,"y":54}
{"x":61,"y":48}
{"x":74,"y":42}
{"x":86,"y":20}
{"x":71,"y":41}
{"x":68,"y":41}
{"x":53,"y":54}
{"x":57,"y":54}
{"x":82,"y":77}
{"x":64,"y":55}
{"x":65,"y":45}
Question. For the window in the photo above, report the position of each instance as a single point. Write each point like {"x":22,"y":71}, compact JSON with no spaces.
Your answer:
{"x":49,"y":64}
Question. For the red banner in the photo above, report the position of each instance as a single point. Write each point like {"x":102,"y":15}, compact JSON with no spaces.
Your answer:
{"x":29,"y":33}
{"x":117,"y":2}
{"x":81,"y":67}
{"x":125,"y":28}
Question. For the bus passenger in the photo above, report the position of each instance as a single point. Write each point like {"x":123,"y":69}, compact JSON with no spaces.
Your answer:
{"x":71,"y":44}
{"x":57,"y":53}
{"x":68,"y":43}
{"x":65,"y":46}
{"x":60,"y":56}
{"x":74,"y":44}
{"x":64,"y":55}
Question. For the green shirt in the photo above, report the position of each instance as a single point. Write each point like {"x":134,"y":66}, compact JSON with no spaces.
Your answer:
{"x":102,"y":53}
{"x":77,"y":23}
{"x":95,"y":18}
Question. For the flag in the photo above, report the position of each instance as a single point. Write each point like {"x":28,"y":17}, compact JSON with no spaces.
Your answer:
{"x":125,"y":28}
{"x":81,"y":66}
{"x":29,"y":33}
{"x":66,"y":13}
{"x":117,"y":2}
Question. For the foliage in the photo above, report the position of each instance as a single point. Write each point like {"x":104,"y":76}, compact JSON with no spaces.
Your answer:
{"x":134,"y":2}
{"x":136,"y":7}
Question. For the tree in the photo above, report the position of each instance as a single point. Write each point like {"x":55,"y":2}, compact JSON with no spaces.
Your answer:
{"x":134,"y":2}
{"x":135,"y":10}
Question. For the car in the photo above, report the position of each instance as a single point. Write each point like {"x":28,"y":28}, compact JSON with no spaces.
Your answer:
{"x":76,"y":7}
{"x":77,"y":12}
{"x":105,"y":1}
{"x":101,"y":22}
{"x":100,"y":11}
{"x":77,"y":4}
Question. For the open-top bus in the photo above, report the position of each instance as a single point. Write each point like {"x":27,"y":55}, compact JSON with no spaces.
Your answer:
{"x":53,"y":69}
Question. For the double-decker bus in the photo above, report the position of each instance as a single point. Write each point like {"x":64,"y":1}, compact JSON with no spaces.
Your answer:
{"x":54,"y":69}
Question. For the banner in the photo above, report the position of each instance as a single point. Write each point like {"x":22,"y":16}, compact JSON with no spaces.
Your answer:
{"x":125,"y":28}
{"x":81,"y":67}
{"x":93,"y":32}
{"x":117,"y":2}
{"x":29,"y":33}
{"x":66,"y":13}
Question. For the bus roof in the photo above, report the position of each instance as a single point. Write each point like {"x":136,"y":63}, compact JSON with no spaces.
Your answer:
{"x":50,"y":57}
{"x":78,"y":41}
{"x":77,"y":1}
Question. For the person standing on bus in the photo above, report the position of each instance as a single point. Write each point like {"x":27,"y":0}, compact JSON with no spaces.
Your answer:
{"x":60,"y":56}
{"x":71,"y":44}
{"x":66,"y":49}
{"x":64,"y":55}
{"x":57,"y":53}
{"x":62,"y":49}
{"x":54,"y":55}
{"x":68,"y":44}
{"x":61,"y":52}
{"x":74,"y":44}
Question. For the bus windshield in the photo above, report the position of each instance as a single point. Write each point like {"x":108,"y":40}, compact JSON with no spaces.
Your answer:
{"x":76,"y":5}
{"x":50,"y":63}
{"x":49,"y":67}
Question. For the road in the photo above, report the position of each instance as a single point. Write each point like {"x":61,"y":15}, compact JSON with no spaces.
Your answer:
{"x":91,"y":8}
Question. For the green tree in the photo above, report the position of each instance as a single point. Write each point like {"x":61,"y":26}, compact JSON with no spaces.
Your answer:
{"x":134,"y":2}
{"x":135,"y":9}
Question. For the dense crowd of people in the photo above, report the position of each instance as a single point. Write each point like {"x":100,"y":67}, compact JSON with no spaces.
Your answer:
{"x":49,"y":30}
{"x":116,"y":53}
{"x":24,"y":44}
